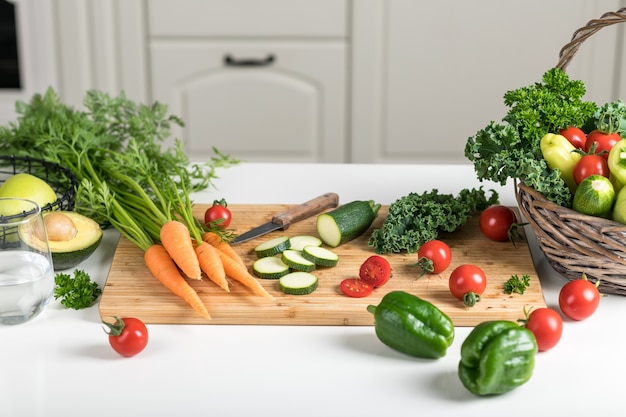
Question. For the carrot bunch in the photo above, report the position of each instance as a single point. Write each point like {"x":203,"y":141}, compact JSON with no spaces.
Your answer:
{"x":156,"y":215}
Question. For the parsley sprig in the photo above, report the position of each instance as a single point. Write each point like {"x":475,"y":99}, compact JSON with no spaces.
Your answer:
{"x":510,"y":149}
{"x":517,"y":284}
{"x":76,"y":292}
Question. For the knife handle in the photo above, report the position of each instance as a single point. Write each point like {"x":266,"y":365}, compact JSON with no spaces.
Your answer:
{"x":304,"y":210}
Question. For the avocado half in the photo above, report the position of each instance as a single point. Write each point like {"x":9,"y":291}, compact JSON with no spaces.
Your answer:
{"x":72,"y":251}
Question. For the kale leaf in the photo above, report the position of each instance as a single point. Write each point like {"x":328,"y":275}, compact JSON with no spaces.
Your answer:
{"x":510,"y":150}
{"x":414,"y":219}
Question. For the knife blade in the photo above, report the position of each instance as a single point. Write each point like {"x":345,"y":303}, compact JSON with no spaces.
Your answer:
{"x":295,"y":214}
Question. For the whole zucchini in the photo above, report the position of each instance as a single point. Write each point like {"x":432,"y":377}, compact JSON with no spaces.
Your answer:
{"x":346,"y":222}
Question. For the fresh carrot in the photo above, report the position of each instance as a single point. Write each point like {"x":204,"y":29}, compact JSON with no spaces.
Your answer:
{"x":211,"y":264}
{"x":164,"y":269}
{"x":240,"y":273}
{"x":216,"y":241}
{"x":176,"y":239}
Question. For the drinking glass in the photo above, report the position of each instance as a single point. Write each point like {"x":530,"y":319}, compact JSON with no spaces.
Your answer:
{"x":26,"y":270}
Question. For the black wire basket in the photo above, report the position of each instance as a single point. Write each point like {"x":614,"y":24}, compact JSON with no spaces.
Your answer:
{"x":62,"y":180}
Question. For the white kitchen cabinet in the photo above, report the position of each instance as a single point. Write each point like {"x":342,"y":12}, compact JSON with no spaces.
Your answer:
{"x":360,"y":81}
{"x":428,"y":75}
{"x":265,"y":85}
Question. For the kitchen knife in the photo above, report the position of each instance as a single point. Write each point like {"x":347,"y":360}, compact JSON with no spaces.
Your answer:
{"x":295,"y":214}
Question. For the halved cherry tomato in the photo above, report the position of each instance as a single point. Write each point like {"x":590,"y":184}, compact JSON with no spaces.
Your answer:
{"x":579,"y":298}
{"x":467,"y":283}
{"x":218,"y":215}
{"x":127,"y":336}
{"x":499,"y":223}
{"x":434,"y":257}
{"x":375,"y":271}
{"x":547,"y":326}
{"x":590,"y":164}
{"x":355,"y":287}
{"x":605,"y":142}
{"x":575,"y":136}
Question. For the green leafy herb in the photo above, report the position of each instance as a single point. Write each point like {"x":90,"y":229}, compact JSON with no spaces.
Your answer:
{"x":78,"y":292}
{"x":611,"y":118}
{"x":114,"y":147}
{"x":416,"y":218}
{"x":517,"y":284}
{"x":510,"y":150}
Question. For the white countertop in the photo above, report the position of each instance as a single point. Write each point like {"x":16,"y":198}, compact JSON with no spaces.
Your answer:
{"x":60,"y":363}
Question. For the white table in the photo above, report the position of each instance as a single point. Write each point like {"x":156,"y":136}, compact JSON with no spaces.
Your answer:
{"x":60,"y":364}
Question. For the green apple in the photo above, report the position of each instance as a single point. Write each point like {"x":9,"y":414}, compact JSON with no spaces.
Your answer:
{"x":26,"y":186}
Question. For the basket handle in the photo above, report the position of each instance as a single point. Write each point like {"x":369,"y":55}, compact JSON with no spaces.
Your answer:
{"x":607,"y":19}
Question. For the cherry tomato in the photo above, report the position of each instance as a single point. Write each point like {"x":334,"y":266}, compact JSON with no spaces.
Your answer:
{"x":579,"y":298}
{"x":590,"y":165}
{"x":375,"y":271}
{"x":498,"y":223}
{"x":127,"y":336}
{"x":355,"y":287}
{"x":467,"y":283}
{"x":218,"y":215}
{"x":575,"y":136}
{"x":434,"y":257}
{"x":605,"y":142}
{"x":547,"y":326}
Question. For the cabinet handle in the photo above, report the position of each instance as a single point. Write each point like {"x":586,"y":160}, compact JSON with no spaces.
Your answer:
{"x":249,"y":62}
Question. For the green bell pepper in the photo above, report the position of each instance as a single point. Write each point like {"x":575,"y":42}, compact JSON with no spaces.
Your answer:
{"x":496,"y":357}
{"x":412,"y":325}
{"x":560,"y":154}
{"x":617,"y":165}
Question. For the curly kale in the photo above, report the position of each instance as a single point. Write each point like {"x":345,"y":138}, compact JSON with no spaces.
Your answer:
{"x":510,"y":150}
{"x":414,"y":219}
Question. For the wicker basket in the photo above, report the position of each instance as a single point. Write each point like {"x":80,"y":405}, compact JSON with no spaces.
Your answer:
{"x":572,"y":242}
{"x":62,"y":180}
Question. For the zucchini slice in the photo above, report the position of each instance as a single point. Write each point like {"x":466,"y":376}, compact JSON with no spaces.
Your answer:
{"x":270,"y":267}
{"x":298,"y":283}
{"x":320,"y":256}
{"x":346,"y":222}
{"x":272,"y":247}
{"x":299,"y":242}
{"x":295,"y":260}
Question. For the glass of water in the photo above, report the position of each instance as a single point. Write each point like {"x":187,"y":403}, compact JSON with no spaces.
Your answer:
{"x":26,"y":270}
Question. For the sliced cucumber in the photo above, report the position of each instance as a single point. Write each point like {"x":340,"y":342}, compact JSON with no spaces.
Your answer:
{"x":320,"y":256}
{"x":270,"y":267}
{"x":346,"y":222}
{"x":298,"y":283}
{"x":295,"y":260}
{"x":299,"y":242}
{"x":272,"y":247}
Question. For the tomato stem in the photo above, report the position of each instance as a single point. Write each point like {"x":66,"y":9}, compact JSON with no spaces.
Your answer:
{"x":115,"y":329}
{"x":470,"y":299}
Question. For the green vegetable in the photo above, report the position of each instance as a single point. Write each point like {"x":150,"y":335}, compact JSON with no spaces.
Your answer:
{"x":412,"y":325}
{"x":114,"y":148}
{"x":594,"y":196}
{"x":611,"y":118}
{"x":415,"y":219}
{"x":619,"y":209}
{"x":298,"y":283}
{"x":560,"y":154}
{"x":78,"y":292}
{"x":346,"y":222}
{"x":517,"y":284}
{"x":510,"y":150}
{"x":272,"y":247}
{"x":617,"y":164}
{"x":295,"y":260}
{"x":497,"y":357}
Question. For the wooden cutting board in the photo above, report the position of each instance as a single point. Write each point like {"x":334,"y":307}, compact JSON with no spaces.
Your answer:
{"x":131,"y":290}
